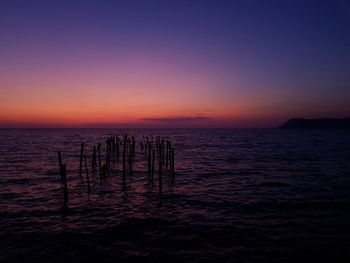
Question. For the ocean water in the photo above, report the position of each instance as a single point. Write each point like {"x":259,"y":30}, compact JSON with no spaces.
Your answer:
{"x":266,"y":195}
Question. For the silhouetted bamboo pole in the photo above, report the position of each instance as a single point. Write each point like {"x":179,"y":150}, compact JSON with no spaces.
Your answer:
{"x":117,"y":144}
{"x":87,"y":174}
{"x":149,"y":162}
{"x":158,"y":144}
{"x":172,"y":163}
{"x":59,"y":159}
{"x":160,"y":177}
{"x":113,"y":149}
{"x":124,"y":164}
{"x":110,"y":152}
{"x":163,"y":155}
{"x":130,"y":157}
{"x":104,"y":171}
{"x":153,"y":157}
{"x":99,"y":160}
{"x":107,"y":154}
{"x":146,"y":146}
{"x":170,"y":151}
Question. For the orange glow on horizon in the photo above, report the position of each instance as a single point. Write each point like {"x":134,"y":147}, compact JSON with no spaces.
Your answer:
{"x":140,"y":92}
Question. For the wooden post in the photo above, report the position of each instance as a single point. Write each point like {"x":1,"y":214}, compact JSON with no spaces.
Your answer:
{"x":149,"y":162}
{"x":146,"y":146}
{"x":81,"y":158}
{"x":59,"y":159}
{"x":113,"y":149}
{"x":172,"y":163}
{"x":104,"y":171}
{"x":160,"y":177}
{"x":99,"y":159}
{"x":87,"y":174}
{"x":130,"y":157}
{"x":153,"y":157}
{"x":167,"y":154}
{"x":124,"y":164}
{"x":163,"y":155}
{"x":118,"y":143}
{"x":107,"y":154}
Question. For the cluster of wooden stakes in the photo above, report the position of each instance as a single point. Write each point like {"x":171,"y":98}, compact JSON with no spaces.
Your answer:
{"x":124,"y":151}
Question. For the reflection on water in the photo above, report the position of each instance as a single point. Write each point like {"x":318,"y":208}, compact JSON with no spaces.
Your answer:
{"x":239,"y":195}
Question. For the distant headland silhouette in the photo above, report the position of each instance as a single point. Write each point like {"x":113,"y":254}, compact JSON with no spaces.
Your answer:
{"x":322,"y":123}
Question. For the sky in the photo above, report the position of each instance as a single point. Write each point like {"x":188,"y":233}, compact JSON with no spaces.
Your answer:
{"x":128,"y":63}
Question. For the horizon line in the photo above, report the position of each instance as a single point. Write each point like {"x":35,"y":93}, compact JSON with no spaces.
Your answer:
{"x":150,"y":128}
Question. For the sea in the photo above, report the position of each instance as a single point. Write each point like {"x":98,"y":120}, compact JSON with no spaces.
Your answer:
{"x":237,"y":195}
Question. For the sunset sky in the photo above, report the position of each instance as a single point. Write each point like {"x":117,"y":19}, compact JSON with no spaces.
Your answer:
{"x":172,"y":63}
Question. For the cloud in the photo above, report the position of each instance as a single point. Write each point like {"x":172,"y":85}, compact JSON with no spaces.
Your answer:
{"x":177,"y":119}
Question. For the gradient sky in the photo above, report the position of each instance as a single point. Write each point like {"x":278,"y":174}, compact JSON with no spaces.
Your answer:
{"x":172,"y":63}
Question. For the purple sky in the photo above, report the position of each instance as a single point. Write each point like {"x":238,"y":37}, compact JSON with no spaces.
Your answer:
{"x":172,"y":63}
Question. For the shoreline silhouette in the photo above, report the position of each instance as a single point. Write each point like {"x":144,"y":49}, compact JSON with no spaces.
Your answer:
{"x":322,"y":123}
